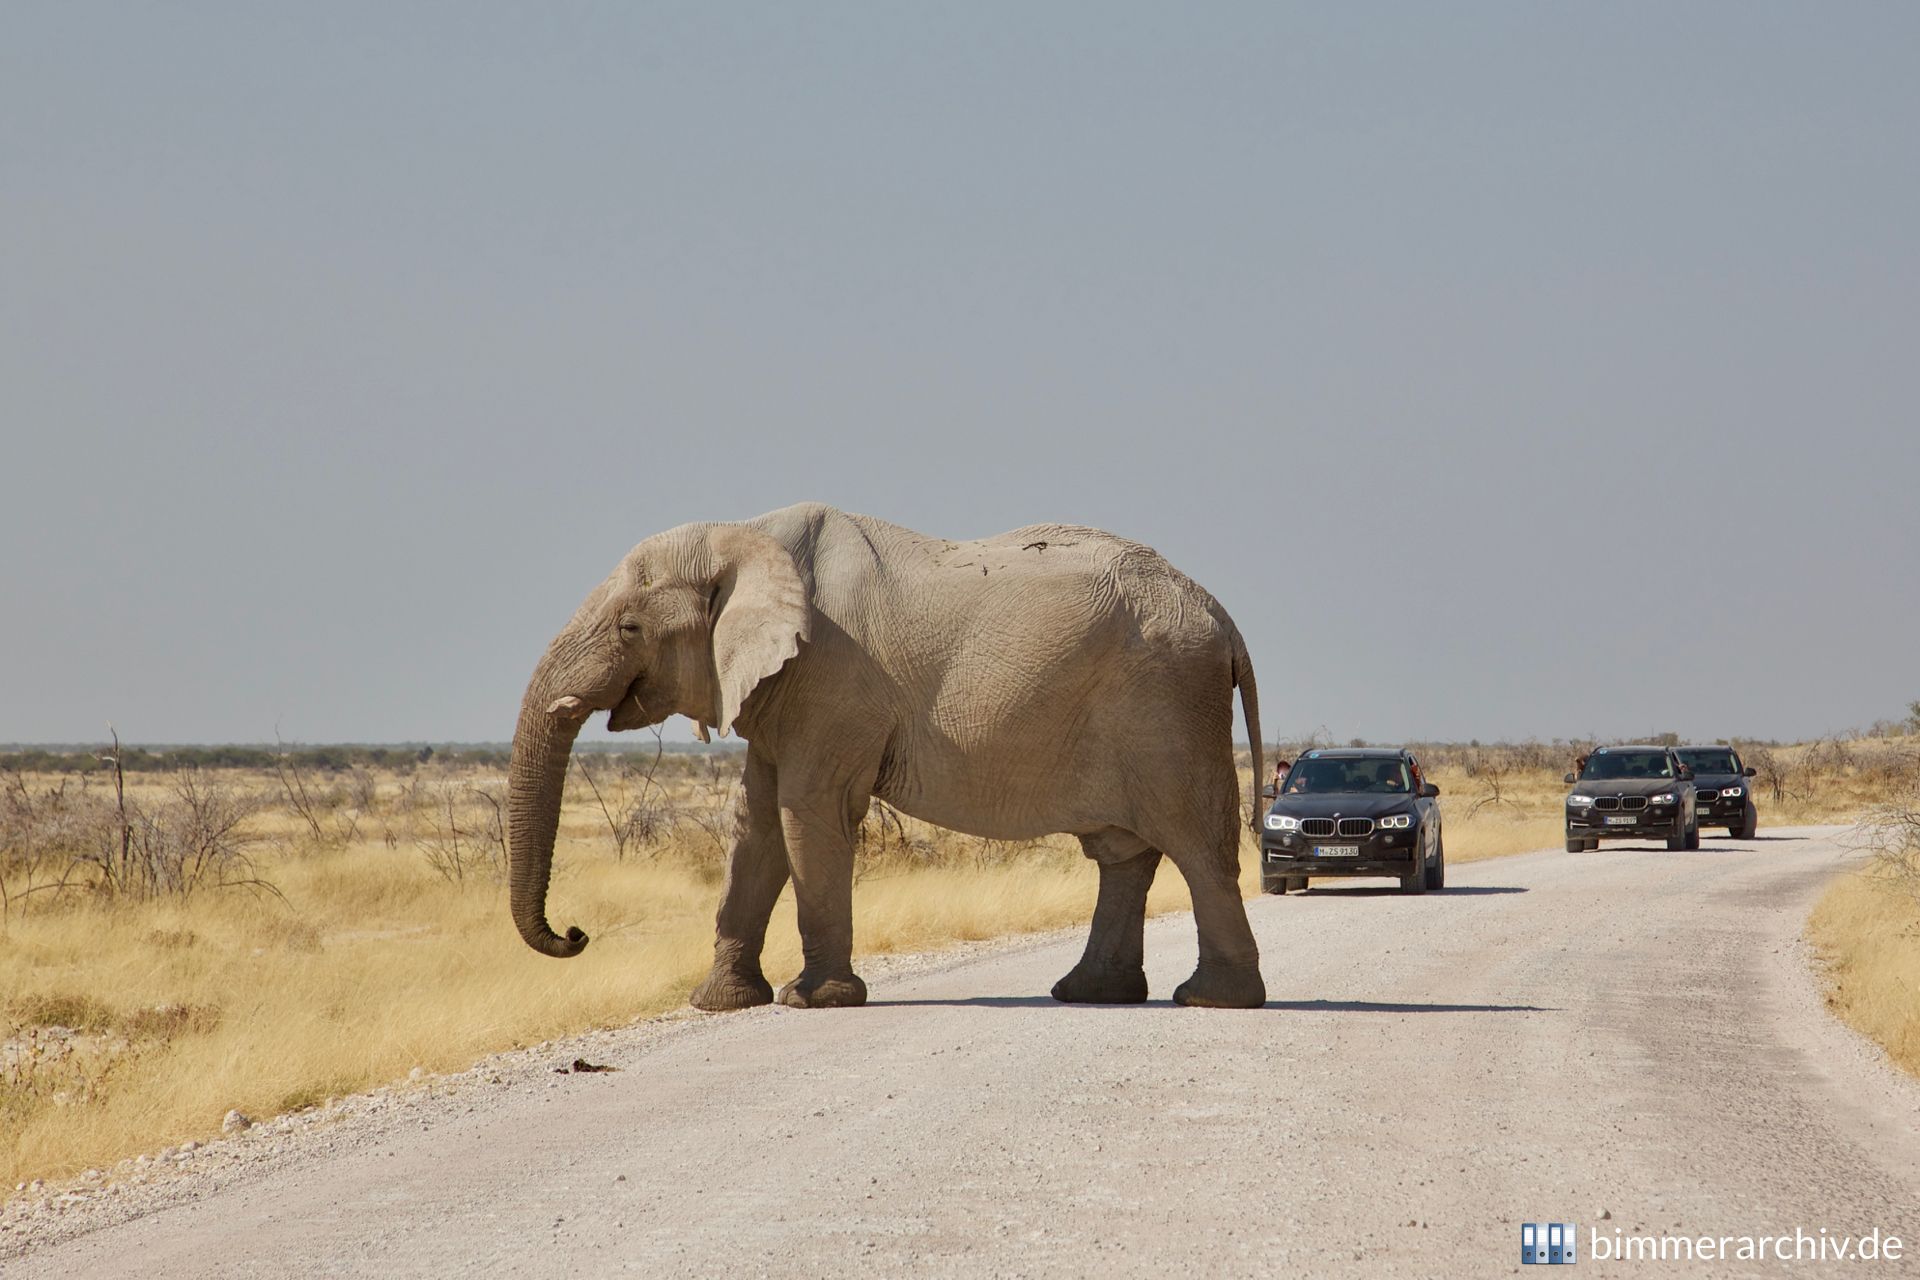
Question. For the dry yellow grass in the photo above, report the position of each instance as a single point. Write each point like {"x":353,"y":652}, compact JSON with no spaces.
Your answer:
{"x":374,"y":963}
{"x":1868,"y":934}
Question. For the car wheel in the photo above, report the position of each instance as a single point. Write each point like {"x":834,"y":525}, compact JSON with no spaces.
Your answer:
{"x":1274,"y":884}
{"x":1593,"y":842}
{"x":1415,"y":881}
{"x":1693,"y":836}
{"x":1749,"y":823}
{"x":1296,"y":884}
{"x":1576,"y":844}
{"x":1678,"y":841}
{"x":1437,"y":869}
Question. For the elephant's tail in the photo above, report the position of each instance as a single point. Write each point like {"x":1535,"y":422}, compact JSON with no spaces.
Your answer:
{"x":1250,"y":704}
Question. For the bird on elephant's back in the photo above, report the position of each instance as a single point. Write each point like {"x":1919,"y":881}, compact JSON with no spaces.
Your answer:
{"x":1051,"y":679}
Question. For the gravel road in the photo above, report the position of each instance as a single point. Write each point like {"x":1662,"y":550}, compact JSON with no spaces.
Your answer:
{"x":1628,"y":1039}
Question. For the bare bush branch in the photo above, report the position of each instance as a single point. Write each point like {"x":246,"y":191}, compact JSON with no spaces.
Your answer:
{"x":466,"y":835}
{"x":120,"y":848}
{"x":1891,"y":836}
{"x":1490,"y":767}
{"x":331,"y":817}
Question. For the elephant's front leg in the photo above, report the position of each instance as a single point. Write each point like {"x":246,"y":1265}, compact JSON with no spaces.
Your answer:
{"x":1113,"y":970}
{"x":820,"y":853}
{"x":756,"y":874}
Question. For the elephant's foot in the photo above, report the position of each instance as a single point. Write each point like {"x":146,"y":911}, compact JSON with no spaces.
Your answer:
{"x":1216,"y":986}
{"x":729,"y":989}
{"x":807,"y":992}
{"x":1090,"y":985}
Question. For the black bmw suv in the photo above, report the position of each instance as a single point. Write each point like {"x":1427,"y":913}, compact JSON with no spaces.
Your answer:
{"x":1358,"y":812}
{"x":1632,"y":792}
{"x":1722,"y":793}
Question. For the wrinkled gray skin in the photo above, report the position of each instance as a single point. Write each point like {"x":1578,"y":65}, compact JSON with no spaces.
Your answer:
{"x":1051,"y":679}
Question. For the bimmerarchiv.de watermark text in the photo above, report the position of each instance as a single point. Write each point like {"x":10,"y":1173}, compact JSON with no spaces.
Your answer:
{"x":1558,"y":1244}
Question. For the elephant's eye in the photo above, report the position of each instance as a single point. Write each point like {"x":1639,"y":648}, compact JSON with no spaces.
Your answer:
{"x":628,"y":627}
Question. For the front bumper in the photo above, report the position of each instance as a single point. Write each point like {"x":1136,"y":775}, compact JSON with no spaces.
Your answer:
{"x":1720,"y":811}
{"x":1384,"y":853}
{"x":1664,"y":822}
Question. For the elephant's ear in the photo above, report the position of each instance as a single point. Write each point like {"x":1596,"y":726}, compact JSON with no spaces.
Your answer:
{"x":760,"y":614}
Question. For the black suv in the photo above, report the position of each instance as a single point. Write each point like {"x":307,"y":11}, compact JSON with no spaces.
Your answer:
{"x":1722,"y":793}
{"x":1632,"y":792}
{"x":1359,"y":812}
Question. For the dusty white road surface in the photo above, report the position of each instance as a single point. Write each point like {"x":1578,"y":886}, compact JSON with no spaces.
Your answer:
{"x":1630,"y":1032}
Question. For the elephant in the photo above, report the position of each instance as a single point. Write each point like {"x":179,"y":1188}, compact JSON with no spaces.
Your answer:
{"x":1054,"y":679}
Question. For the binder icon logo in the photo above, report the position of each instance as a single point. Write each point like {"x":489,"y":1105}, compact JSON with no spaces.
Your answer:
{"x":1548,"y":1244}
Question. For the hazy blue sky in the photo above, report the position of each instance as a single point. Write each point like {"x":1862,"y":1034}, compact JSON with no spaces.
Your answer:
{"x":1506,"y":370}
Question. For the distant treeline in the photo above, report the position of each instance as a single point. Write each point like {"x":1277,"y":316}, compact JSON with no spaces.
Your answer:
{"x":73,"y":758}
{"x":405,"y":756}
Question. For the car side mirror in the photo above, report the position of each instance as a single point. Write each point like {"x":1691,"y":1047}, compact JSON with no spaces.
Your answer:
{"x":1429,"y":790}
{"x":1749,"y":772}
{"x":1570,"y":779}
{"x":1268,"y":792}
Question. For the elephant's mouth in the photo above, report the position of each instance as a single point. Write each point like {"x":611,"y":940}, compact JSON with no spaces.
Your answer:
{"x":629,"y":712}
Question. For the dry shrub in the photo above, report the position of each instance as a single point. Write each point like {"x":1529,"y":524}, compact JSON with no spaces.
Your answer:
{"x":465,"y":833}
{"x":326,"y":816}
{"x":189,"y":838}
{"x":629,"y":797}
{"x":41,"y":834}
{"x":1890,"y":836}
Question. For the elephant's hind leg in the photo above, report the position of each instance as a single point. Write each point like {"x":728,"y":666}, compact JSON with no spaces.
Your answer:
{"x":1112,"y":971}
{"x":756,"y":874}
{"x":1228,"y":976}
{"x":1196,"y":822}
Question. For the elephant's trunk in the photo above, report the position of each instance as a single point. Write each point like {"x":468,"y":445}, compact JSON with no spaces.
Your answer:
{"x":542,"y":746}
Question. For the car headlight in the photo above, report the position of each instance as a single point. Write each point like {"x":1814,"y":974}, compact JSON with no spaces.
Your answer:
{"x":1394,"y":821}
{"x":1580,"y":802}
{"x":1281,"y":822}
{"x":1733,"y":793}
{"x":1665,"y":797}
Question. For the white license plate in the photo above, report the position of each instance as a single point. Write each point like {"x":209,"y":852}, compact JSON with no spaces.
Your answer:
{"x":1621,"y":822}
{"x":1336,"y":851}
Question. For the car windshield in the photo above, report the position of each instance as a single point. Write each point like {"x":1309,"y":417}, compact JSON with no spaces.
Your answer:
{"x":1628,"y":764}
{"x":1716,"y":761}
{"x":1380,"y":776}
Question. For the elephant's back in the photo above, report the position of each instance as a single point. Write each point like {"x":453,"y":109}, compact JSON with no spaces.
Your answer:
{"x":1160,"y":600}
{"x":1064,"y":579}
